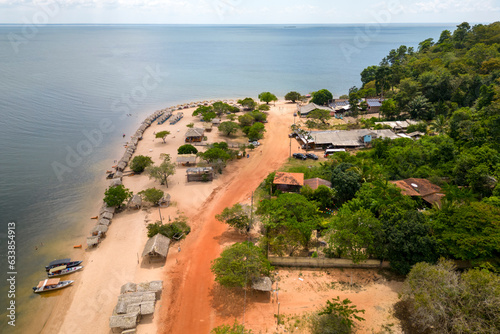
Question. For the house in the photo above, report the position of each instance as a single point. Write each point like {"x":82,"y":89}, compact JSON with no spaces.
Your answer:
{"x":186,"y":159}
{"x":340,"y":105}
{"x":305,"y":110}
{"x":216,"y":121}
{"x":413,"y":187}
{"x":316,"y":182}
{"x":374,"y":105}
{"x":288,"y":182}
{"x":135,"y":202}
{"x":345,"y":138}
{"x":398,"y":126}
{"x":157,"y":246}
{"x":195,"y":135}
{"x":202,"y":174}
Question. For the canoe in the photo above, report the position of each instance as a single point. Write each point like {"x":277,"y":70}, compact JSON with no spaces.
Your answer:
{"x":77,"y":246}
{"x":95,"y":217}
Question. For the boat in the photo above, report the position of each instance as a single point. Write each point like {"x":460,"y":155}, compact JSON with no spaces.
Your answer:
{"x":62,"y":270}
{"x":77,"y":246}
{"x":51,"y":284}
{"x":62,"y":262}
{"x":95,"y":217}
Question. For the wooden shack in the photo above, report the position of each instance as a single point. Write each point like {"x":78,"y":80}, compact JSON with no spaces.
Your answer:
{"x":195,"y":135}
{"x":186,"y":159}
{"x":200,"y":174}
{"x":156,"y":247}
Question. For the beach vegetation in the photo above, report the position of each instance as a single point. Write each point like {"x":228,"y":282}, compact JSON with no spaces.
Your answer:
{"x":207,"y":113}
{"x":320,"y":115}
{"x":246,"y":120}
{"x":232,"y":117}
{"x":264,"y":107}
{"x":162,"y":171}
{"x":322,"y":97}
{"x":162,"y":135}
{"x":293,"y":96}
{"x":116,"y":195}
{"x":221,"y":108}
{"x":248,"y":103}
{"x":139,"y":163}
{"x":390,"y":109}
{"x":177,"y":230}
{"x":152,"y":195}
{"x":256,"y":131}
{"x":236,"y":216}
{"x":338,"y":316}
{"x":187,"y":149}
{"x":440,"y":299}
{"x":258,"y":116}
{"x":267,"y":97}
{"x":236,"y":328}
{"x":228,"y":128}
{"x":239,"y":264}
{"x":190,"y":125}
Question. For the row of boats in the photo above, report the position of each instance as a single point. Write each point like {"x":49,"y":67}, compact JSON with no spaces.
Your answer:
{"x":55,"y":269}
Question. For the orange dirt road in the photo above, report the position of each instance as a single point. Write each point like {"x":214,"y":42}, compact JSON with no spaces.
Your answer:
{"x":187,"y":306}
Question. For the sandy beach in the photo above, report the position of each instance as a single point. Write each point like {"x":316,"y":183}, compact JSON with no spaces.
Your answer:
{"x":191,"y":302}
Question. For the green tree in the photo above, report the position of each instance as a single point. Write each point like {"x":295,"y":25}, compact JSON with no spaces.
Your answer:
{"x":320,"y":115}
{"x":267,"y":97}
{"x":248,"y":103}
{"x":293,"y":96}
{"x":354,"y":100}
{"x":215,"y":156}
{"x":235,"y":216}
{"x":176,"y":230}
{"x":228,"y":128}
{"x":246,"y":120}
{"x":420,"y":108}
{"x":207,"y":113}
{"x":321,"y":97}
{"x":345,"y":182}
{"x":256,"y":131}
{"x":162,"y":135}
{"x":438,"y":299}
{"x":236,"y":328}
{"x":187,"y":149}
{"x":239,"y":264}
{"x":440,"y":124}
{"x":221,"y":108}
{"x":337,"y":317}
{"x":389,"y":109}
{"x":152,"y":195}
{"x":354,"y":234}
{"x":289,"y":220}
{"x":264,"y":107}
{"x":258,"y":116}
{"x":139,"y":163}
{"x":115,"y":196}
{"x":163,"y":171}
{"x":368,"y":74}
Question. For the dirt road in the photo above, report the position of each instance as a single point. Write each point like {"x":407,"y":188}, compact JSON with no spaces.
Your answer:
{"x":190,"y":281}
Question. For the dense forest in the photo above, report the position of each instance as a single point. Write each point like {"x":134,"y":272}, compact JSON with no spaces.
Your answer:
{"x":453,"y":87}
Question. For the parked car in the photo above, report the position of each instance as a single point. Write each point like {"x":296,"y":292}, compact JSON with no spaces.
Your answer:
{"x":255,"y":143}
{"x":299,"y":156}
{"x":312,"y":156}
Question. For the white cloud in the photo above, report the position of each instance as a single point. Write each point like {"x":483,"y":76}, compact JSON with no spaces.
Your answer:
{"x":443,"y":6}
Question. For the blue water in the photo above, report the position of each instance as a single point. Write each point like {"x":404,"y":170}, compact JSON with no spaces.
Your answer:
{"x":60,"y":82}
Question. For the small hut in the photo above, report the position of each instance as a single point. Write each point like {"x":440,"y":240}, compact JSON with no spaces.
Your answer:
{"x":262,"y":284}
{"x":216,"y":121}
{"x":207,"y":127}
{"x":200,"y":174}
{"x":123,"y":322}
{"x":195,"y":135}
{"x":289,"y":182}
{"x":99,"y":231}
{"x":92,"y":242}
{"x":104,"y":221}
{"x":165,"y":201}
{"x":106,"y":215}
{"x":186,"y":159}
{"x":115,"y":182}
{"x":316,"y":182}
{"x":157,"y":246}
{"x":135,"y":202}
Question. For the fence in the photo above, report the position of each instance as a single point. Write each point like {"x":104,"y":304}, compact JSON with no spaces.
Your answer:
{"x":324,"y":262}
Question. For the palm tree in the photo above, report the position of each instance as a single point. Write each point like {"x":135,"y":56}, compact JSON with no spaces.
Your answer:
{"x":440,"y":124}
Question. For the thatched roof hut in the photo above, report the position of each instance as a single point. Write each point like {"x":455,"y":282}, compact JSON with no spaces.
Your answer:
{"x":105,"y":208}
{"x":104,"y":221}
{"x":121,"y":165}
{"x":92,"y":241}
{"x":135,"y":202}
{"x":153,"y":286}
{"x":157,"y":246}
{"x":115,"y":182}
{"x":186,"y":159}
{"x":125,"y":321}
{"x":99,"y":230}
{"x":165,"y":201}
{"x":106,"y":215}
{"x":147,"y":308}
{"x":128,"y":287}
{"x":262,"y":284}
{"x":118,"y":175}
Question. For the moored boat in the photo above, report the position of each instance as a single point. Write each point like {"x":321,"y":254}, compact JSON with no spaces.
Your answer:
{"x":62,"y":270}
{"x":51,"y":284}
{"x":62,"y":262}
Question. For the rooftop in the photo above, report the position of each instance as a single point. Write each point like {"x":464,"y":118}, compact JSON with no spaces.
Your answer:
{"x":291,"y":179}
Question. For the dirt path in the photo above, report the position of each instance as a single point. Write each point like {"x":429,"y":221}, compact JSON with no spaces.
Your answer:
{"x":190,"y":281}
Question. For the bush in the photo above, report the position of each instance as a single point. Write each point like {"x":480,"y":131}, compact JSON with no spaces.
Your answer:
{"x":139,"y":163}
{"x":152,"y":195}
{"x":187,"y":149}
{"x":115,"y":196}
{"x":176,"y":230}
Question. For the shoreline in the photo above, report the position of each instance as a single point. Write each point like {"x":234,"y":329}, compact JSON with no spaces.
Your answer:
{"x":77,"y":304}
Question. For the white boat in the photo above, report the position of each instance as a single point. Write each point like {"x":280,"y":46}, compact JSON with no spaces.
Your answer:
{"x":62,"y":270}
{"x":51,"y":284}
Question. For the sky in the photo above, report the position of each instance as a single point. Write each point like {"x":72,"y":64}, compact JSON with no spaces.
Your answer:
{"x":42,"y":12}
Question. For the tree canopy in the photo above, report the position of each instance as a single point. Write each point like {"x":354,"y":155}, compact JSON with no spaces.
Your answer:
{"x":139,"y":163}
{"x":235,"y":216}
{"x":239,"y":264}
{"x":162,"y":135}
{"x":163,"y":171}
{"x":115,"y":196}
{"x":152,"y":195}
{"x":267,"y":97}
{"x":187,"y":149}
{"x":293,"y":96}
{"x":321,"y":97}
{"x":248,"y":103}
{"x":228,"y":128}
